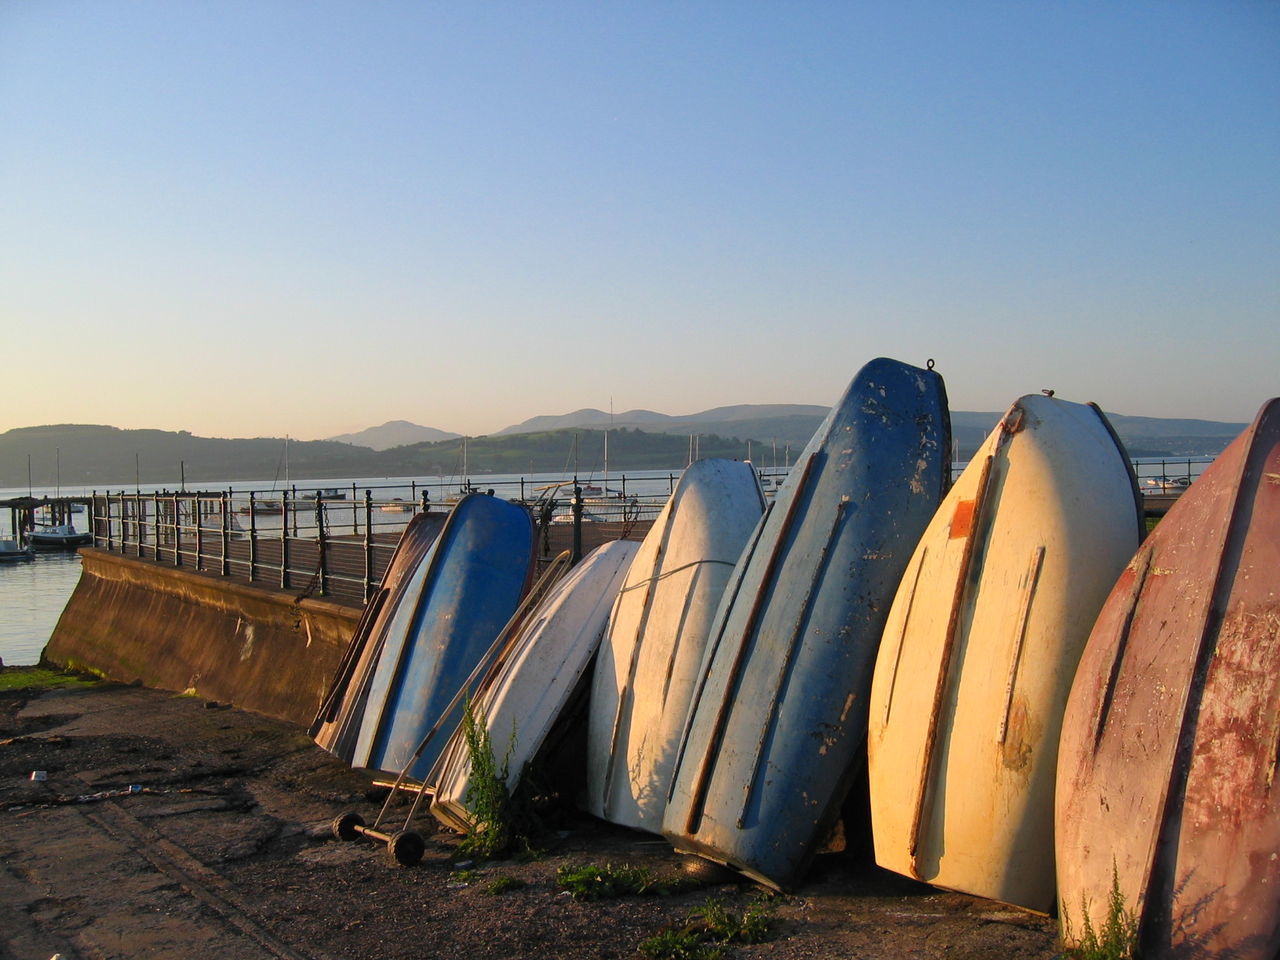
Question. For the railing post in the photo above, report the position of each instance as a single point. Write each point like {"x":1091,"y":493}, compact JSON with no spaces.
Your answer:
{"x":93,"y":519}
{"x":368,"y":543}
{"x":321,"y":541}
{"x":253,"y":540}
{"x":355,"y":514}
{"x":195,"y":515}
{"x":226,"y":533}
{"x":155,"y":527}
{"x":177,"y":534}
{"x":284,"y":540}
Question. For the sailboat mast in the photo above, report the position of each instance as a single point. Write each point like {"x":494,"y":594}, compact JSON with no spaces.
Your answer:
{"x":605,"y":484}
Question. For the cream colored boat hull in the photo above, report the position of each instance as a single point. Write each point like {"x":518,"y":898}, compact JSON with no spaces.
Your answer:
{"x":981,"y":646}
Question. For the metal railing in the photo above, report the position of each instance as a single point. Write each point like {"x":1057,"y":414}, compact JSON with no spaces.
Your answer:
{"x":313,"y":544}
{"x":322,"y":542}
{"x":337,"y":541}
{"x":1168,"y":475}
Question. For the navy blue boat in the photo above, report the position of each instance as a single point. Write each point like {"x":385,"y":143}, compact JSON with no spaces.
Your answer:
{"x":779,"y":724}
{"x":442,"y":616}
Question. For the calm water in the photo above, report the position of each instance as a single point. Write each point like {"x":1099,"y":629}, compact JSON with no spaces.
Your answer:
{"x":32,"y":595}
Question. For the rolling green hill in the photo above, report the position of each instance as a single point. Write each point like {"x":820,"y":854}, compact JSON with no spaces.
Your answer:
{"x":103,"y":457}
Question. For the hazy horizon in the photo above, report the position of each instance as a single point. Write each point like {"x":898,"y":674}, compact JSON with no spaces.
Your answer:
{"x":307,"y":219}
{"x":620,"y":416}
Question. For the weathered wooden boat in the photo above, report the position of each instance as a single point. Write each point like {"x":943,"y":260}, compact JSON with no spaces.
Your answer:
{"x":651,"y":658}
{"x":980,"y":647}
{"x":1166,"y":769}
{"x":531,"y":680}
{"x":333,"y":728}
{"x":450,"y":608}
{"x":779,"y":722}
{"x":60,"y":536}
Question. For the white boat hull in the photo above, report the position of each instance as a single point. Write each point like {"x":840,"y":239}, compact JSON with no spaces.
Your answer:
{"x":522,"y":696}
{"x":651,"y":658}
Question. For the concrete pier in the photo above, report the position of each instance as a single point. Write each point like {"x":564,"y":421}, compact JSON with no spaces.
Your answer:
{"x":137,"y":621}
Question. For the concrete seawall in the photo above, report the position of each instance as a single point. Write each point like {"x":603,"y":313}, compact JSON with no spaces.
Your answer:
{"x":137,"y":621}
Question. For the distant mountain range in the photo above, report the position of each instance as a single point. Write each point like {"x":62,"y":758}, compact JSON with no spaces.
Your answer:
{"x":764,"y":423}
{"x":84,"y":455}
{"x":394,"y":433}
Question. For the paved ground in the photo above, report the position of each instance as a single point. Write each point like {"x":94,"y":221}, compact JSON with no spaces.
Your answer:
{"x":223,"y":851}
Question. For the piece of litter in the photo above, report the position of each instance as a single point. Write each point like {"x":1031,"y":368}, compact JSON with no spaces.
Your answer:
{"x":39,"y":776}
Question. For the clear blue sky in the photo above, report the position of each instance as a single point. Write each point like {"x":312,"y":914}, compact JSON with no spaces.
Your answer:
{"x":262,"y":218}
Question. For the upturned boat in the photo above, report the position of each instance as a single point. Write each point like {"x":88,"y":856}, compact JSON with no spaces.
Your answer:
{"x":1167,"y":803}
{"x":444,"y":614}
{"x":778,"y":723}
{"x":333,"y":727}
{"x":982,"y":641}
{"x":651,"y":657}
{"x":533,"y":678}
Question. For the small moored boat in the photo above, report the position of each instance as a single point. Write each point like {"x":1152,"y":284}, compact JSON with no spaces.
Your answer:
{"x":11,"y":551}
{"x":58,"y":537}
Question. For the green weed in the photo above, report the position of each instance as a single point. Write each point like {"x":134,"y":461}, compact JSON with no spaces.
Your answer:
{"x":707,"y":931}
{"x":752,"y":927}
{"x":1118,"y":938}
{"x":589,"y":882}
{"x":681,"y":944}
{"x":41,"y":678}
{"x":488,"y":798}
{"x":503,"y":884}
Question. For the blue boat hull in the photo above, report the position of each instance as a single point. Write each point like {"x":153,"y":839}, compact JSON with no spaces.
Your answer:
{"x":779,"y":725}
{"x":451,"y":609}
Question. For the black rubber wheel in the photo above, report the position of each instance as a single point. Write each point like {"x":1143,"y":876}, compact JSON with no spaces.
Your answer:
{"x":344,"y":826}
{"x":406,"y":848}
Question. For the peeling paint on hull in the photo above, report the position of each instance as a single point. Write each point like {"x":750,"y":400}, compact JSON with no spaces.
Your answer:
{"x":1170,"y":741}
{"x":778,"y":725}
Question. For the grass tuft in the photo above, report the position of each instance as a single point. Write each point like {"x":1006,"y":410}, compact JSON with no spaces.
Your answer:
{"x":589,"y":882}
{"x":708,"y":931}
{"x":504,"y":884}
